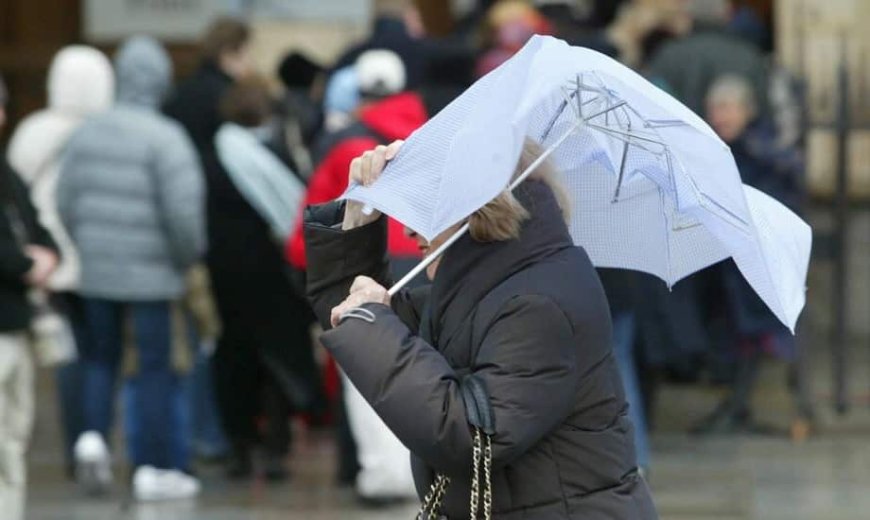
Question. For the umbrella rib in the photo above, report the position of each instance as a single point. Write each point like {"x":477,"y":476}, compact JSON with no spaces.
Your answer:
{"x":567,"y":100}
{"x":705,"y":199}
{"x":672,"y":178}
{"x":605,"y":111}
{"x":667,"y":225}
{"x":578,"y":82}
{"x":627,"y":138}
{"x":633,"y":143}
{"x":621,"y":172}
{"x":562,"y":106}
{"x":621,"y":165}
{"x":663,"y":123}
{"x":579,"y":85}
{"x":627,"y":134}
{"x":552,"y":123}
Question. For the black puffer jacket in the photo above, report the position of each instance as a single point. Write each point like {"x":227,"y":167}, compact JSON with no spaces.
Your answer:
{"x":529,"y":318}
{"x":18,"y":222}
{"x":195,"y":104}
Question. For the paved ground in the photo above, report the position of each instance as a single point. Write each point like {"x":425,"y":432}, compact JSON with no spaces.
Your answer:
{"x":727,"y":478}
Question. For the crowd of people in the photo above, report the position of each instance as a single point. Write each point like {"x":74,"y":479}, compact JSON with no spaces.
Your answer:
{"x":155,"y":230}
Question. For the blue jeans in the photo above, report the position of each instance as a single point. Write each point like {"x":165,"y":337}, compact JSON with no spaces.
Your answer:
{"x":157,"y":387}
{"x":196,"y":422}
{"x":623,"y":339}
{"x":68,"y":376}
{"x":208,"y":434}
{"x":180,"y":421}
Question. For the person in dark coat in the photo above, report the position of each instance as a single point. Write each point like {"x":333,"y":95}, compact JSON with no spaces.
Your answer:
{"x":777,"y":170}
{"x":264,"y":360}
{"x":28,"y":257}
{"x":386,"y":112}
{"x":397,"y":27}
{"x":687,"y":67}
{"x":225,"y":59}
{"x":299,"y":115}
{"x":512,"y":339}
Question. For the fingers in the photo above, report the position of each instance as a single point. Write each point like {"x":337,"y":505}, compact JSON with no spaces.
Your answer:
{"x":335,"y":315}
{"x":352,"y":302}
{"x":363,"y":290}
{"x":355,"y":175}
{"x":393,"y":149}
{"x":367,"y":168}
{"x":360,"y":283}
{"x":379,"y":161}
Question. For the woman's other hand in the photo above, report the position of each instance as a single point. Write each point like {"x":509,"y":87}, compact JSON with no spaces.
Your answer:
{"x":364,"y":290}
{"x":365,"y":170}
{"x":44,"y":263}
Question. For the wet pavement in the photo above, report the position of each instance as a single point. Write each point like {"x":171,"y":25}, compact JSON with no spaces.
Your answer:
{"x":723,"y":478}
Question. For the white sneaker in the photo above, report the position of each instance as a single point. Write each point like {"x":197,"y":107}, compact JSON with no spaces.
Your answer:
{"x":93,"y":463}
{"x":151,"y":484}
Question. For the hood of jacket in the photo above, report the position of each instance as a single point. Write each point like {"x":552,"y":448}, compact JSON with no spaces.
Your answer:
{"x":395,"y":117}
{"x":143,"y":71}
{"x":80,"y":81}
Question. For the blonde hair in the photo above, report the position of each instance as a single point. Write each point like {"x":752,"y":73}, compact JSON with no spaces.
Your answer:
{"x":502,"y":218}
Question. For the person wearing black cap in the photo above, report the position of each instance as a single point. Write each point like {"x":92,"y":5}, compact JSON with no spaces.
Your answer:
{"x":299,"y":116}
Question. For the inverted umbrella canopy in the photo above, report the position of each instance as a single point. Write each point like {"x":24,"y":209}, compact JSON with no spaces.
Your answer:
{"x":653,"y":188}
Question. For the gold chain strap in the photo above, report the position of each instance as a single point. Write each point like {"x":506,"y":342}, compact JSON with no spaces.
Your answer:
{"x":432,"y":501}
{"x":481,"y":456}
{"x":487,"y":476}
{"x":476,"y":453}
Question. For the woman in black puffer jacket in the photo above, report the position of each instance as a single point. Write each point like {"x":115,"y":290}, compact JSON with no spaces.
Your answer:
{"x":512,"y":338}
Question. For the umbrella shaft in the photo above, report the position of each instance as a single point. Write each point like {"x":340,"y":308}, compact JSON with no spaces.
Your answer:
{"x":431,"y":257}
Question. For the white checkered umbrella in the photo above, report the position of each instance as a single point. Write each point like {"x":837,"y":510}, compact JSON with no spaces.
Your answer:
{"x":653,"y":188}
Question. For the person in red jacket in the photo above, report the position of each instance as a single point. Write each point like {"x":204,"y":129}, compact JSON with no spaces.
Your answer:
{"x":382,"y":117}
{"x":385,"y":113}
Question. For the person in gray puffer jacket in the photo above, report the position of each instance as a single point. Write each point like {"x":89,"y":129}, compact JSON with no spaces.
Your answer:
{"x":131,"y":195}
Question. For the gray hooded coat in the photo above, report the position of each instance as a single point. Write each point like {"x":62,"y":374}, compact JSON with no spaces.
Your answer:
{"x":131,"y":188}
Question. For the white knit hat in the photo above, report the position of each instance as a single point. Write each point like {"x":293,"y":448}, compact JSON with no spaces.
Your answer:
{"x":380,"y":73}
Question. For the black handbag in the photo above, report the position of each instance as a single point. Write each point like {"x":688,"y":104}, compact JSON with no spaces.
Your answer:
{"x":482,"y":423}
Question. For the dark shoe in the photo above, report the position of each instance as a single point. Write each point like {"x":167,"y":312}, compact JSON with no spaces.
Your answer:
{"x":240,"y":466}
{"x":722,"y":421}
{"x":275,"y":469}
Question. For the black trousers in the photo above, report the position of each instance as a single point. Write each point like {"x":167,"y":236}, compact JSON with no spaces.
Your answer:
{"x":264,"y":363}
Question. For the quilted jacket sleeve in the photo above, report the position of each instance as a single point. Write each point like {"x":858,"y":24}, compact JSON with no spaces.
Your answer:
{"x":527,"y":362}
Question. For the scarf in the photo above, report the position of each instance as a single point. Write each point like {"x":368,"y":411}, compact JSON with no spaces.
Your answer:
{"x":262,"y":179}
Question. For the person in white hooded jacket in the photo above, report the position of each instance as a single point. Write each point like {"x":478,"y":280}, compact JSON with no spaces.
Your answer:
{"x":80,"y":84}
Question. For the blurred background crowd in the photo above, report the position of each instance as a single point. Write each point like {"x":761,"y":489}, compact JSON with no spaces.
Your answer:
{"x":151,"y":257}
